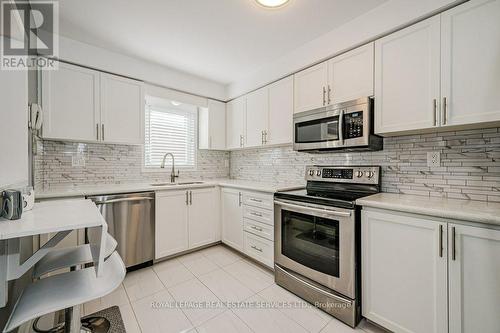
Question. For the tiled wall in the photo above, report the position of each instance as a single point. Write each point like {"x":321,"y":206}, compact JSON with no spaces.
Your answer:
{"x":112,"y":164}
{"x":470,"y":164}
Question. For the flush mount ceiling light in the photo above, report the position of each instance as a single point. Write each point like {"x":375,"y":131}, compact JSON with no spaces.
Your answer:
{"x":272,"y":3}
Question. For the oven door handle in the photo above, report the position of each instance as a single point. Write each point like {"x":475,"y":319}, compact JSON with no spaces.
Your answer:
{"x":317,"y":210}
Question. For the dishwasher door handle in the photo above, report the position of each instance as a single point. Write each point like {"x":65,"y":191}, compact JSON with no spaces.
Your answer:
{"x":122,"y":200}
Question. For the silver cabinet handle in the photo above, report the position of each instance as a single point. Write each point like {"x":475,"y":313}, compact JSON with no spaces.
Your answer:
{"x":256,"y":214}
{"x":445,"y":110}
{"x":239,"y":199}
{"x":187,"y":200}
{"x":122,"y":200}
{"x":262,"y":137}
{"x":440,"y":240}
{"x":97,"y":131}
{"x":191,"y":198}
{"x":102,"y":134}
{"x":256,"y":248}
{"x":434,"y":103}
{"x":324,"y":96}
{"x":329,"y":92}
{"x":453,"y":250}
{"x":241,"y":140}
{"x":311,"y":209}
{"x":256,"y":228}
{"x":255,"y":200}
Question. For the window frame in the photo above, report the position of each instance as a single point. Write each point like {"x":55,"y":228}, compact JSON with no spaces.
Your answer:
{"x":151,"y":169}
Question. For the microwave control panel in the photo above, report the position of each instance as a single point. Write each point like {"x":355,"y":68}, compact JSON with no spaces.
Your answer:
{"x":353,"y":125}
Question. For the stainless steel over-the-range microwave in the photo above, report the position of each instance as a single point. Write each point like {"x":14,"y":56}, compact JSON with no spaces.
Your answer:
{"x":344,"y":126}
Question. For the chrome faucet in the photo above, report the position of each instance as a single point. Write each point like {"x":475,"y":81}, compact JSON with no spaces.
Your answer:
{"x":172,"y":174}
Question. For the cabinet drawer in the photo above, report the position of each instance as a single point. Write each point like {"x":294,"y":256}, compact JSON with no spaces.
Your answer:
{"x":260,"y":249}
{"x":258,"y":200}
{"x":258,"y":214}
{"x":259,"y":229}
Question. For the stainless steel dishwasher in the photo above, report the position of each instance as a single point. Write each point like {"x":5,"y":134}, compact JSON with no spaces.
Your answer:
{"x":131,"y":221}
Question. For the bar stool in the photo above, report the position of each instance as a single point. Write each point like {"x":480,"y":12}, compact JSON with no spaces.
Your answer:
{"x":67,"y":291}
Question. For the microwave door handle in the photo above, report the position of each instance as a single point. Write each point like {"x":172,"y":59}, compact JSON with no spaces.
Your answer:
{"x":341,"y":127}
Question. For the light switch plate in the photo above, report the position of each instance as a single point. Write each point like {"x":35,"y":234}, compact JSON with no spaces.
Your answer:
{"x":434,"y":159}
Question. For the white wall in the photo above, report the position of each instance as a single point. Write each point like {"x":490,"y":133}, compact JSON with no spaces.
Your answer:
{"x":13,"y":127}
{"x":92,"y":56}
{"x":385,"y":18}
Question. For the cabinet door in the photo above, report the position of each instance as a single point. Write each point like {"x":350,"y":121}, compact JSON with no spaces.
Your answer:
{"x":257,"y":117}
{"x":13,"y":128}
{"x":232,"y":218}
{"x":280,"y":112}
{"x":404,"y":278}
{"x":235,"y":123}
{"x":310,"y":88}
{"x":171,"y":223}
{"x":407,"y":78}
{"x":351,"y":75}
{"x":470,"y":62}
{"x":474,"y":279}
{"x":122,"y":111}
{"x":212,"y":126}
{"x":70,"y":99}
{"x":202,"y":217}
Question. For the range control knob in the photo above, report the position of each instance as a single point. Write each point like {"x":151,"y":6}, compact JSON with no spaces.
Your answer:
{"x":370,"y":174}
{"x":359,"y":174}
{"x":311,"y":172}
{"x":318,"y":173}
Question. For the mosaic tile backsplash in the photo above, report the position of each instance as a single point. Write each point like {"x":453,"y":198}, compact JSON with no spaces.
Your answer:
{"x":111,"y":164}
{"x":470,"y":164}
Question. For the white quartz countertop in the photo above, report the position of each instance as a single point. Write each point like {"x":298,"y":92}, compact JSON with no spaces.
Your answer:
{"x":52,"y":216}
{"x":90,"y":190}
{"x":455,"y":209}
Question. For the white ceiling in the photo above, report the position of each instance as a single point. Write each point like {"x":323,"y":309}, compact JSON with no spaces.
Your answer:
{"x":221,"y":40}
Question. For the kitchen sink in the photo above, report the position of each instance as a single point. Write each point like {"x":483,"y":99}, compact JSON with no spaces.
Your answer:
{"x":175,"y":184}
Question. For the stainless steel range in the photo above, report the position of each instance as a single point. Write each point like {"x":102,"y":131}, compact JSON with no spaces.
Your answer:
{"x":317,"y":238}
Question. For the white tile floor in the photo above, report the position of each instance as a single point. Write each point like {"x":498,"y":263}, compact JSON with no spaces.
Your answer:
{"x":216,"y":274}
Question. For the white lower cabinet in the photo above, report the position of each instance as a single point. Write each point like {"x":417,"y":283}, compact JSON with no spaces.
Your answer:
{"x":185,"y":219}
{"x":247,"y":223}
{"x":171,"y":223}
{"x":424,"y":274}
{"x":474,"y":279}
{"x":232,"y":218}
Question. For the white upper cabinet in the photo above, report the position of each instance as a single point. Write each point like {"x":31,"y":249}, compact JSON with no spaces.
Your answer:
{"x":470,"y":63}
{"x":407,"y":78}
{"x":122,"y":110}
{"x":474,"y":275}
{"x":257,"y":117}
{"x":350,"y":75}
{"x":280,"y":129}
{"x":13,"y":127}
{"x":212,"y":126}
{"x":81,"y":104}
{"x":310,"y":88}
{"x":236,"y":123}
{"x":71,"y":106}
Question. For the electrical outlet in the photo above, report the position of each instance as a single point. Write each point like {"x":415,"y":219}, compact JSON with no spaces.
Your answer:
{"x":78,"y":160}
{"x":434,"y":159}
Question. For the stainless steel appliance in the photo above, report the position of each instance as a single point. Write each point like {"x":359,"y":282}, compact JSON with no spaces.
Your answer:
{"x":12,"y":204}
{"x":317,"y":238}
{"x":131,"y":220}
{"x":346,"y":126}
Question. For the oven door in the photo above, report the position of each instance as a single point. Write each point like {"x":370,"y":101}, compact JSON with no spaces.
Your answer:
{"x":317,"y":242}
{"x":317,"y":129}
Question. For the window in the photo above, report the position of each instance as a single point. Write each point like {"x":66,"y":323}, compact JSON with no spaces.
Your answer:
{"x":170,"y":129}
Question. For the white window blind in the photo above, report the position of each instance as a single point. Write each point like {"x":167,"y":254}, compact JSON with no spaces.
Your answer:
{"x":170,"y":130}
